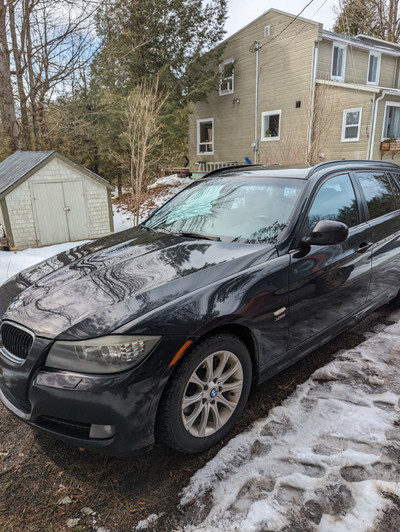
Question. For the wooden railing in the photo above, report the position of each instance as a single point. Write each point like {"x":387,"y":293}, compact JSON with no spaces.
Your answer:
{"x":205,"y":166}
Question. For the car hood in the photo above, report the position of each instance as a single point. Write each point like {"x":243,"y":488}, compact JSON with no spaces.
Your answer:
{"x":93,"y":289}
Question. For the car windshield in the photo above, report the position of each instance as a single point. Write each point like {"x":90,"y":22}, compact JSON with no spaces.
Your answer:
{"x":230,"y":209}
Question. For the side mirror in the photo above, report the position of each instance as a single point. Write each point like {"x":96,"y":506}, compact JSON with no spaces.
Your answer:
{"x":325,"y":233}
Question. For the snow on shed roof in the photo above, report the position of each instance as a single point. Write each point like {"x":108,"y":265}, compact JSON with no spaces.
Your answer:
{"x":21,"y":163}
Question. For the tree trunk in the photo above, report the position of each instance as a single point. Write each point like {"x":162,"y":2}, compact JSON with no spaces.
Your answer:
{"x":26,"y":137}
{"x":7,"y":108}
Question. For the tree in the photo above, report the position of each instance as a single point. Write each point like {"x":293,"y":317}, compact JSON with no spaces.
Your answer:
{"x":43,"y":44}
{"x":377,"y":18}
{"x":7,"y":108}
{"x":140,"y":137}
{"x":172,"y":41}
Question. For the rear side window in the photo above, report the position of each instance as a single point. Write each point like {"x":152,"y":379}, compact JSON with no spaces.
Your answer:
{"x":335,"y":200}
{"x":378,"y":193}
{"x":396,"y":188}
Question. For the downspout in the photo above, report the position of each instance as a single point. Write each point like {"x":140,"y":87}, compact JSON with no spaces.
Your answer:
{"x":371,"y":147}
{"x":312,"y":101}
{"x":257,"y":48}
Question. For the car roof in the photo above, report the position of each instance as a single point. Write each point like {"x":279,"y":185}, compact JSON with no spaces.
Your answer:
{"x":298,"y":171}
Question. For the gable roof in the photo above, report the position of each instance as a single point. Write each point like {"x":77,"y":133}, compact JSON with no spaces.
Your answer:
{"x":22,"y":164}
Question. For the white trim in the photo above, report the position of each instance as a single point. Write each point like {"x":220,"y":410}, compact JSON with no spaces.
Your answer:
{"x":199,"y":121}
{"x":378,"y":68}
{"x":269,"y":113}
{"x":344,"y":126}
{"x":387,"y":104}
{"x":343,"y":47}
{"x":352,"y":86}
{"x":222,"y":67}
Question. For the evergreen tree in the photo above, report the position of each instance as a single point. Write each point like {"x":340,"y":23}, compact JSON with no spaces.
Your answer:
{"x":172,"y":41}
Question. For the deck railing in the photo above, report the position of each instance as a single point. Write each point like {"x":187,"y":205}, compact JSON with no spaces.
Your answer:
{"x":205,"y":166}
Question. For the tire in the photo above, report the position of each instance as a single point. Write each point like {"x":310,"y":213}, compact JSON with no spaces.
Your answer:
{"x":207,"y":394}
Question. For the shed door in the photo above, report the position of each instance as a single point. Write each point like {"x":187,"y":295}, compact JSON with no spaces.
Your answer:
{"x":76,"y":215}
{"x":60,"y":212}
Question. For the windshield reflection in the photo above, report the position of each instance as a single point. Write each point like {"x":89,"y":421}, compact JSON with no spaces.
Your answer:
{"x":249,"y":210}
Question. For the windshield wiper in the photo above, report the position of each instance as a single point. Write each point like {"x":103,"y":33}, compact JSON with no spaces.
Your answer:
{"x":155,"y":230}
{"x":199,"y":235}
{"x":181,"y":233}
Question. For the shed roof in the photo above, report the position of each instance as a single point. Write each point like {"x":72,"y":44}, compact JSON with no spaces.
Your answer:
{"x":21,"y":164}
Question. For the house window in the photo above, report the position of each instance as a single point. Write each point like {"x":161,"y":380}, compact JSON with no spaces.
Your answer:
{"x":271,"y":125}
{"x":391,"y":126}
{"x":227,"y":78}
{"x":338,"y":62}
{"x":374,"y":65}
{"x":351,"y":125}
{"x":205,"y":136}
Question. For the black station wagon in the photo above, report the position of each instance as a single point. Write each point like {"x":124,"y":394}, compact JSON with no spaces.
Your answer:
{"x":163,"y":328}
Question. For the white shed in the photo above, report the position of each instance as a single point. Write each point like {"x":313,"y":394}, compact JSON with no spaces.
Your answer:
{"x":46,"y":199}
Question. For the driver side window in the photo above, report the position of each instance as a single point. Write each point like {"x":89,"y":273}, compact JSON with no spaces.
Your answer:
{"x":335,"y":200}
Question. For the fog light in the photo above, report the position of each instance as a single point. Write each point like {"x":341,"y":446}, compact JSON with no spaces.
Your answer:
{"x":101,"y":432}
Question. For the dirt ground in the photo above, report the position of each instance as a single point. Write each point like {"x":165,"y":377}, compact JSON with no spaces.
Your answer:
{"x":46,"y":485}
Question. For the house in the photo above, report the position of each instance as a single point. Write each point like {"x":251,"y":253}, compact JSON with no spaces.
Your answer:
{"x":292,"y":92}
{"x":45,"y":199}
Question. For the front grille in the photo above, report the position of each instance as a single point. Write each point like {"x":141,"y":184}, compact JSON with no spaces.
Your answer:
{"x":18,"y":341}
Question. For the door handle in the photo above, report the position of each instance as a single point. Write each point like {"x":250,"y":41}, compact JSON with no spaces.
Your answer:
{"x":67,"y":209}
{"x":364,"y":246}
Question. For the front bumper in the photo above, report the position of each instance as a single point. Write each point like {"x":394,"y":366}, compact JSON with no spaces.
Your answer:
{"x":67,"y":405}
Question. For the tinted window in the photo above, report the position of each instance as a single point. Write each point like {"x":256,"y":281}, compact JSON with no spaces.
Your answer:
{"x":335,"y":200}
{"x":378,"y":193}
{"x":395,"y":181}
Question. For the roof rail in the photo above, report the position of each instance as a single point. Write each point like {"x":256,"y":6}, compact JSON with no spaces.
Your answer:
{"x":235,"y":167}
{"x":318,"y":166}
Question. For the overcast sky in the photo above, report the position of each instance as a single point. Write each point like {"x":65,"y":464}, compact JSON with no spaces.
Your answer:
{"x":241,"y":12}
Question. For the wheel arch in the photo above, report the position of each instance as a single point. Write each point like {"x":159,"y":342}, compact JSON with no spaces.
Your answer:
{"x":242,"y":332}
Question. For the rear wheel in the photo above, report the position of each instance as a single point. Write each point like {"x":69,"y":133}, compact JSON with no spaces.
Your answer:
{"x":207,"y":394}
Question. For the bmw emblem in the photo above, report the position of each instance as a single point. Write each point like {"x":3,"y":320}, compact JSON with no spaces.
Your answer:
{"x":15,"y":305}
{"x":213,"y":393}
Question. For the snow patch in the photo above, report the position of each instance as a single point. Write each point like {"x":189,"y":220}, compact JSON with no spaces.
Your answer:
{"x":323,"y":460}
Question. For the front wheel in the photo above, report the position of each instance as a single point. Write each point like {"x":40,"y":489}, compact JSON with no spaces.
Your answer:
{"x":206,"y":396}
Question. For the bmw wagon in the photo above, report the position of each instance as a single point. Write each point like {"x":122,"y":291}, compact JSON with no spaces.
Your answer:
{"x":160,"y":331}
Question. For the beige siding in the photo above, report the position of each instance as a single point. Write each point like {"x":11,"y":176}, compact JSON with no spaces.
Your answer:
{"x":285,"y":77}
{"x":356,"y":65}
{"x":387,"y":156}
{"x":356,"y":70}
{"x":387,"y":76}
{"x":324,"y":60}
{"x":331,"y":101}
{"x":21,"y":211}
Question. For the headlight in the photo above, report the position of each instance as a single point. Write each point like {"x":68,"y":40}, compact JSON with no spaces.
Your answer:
{"x":107,"y":354}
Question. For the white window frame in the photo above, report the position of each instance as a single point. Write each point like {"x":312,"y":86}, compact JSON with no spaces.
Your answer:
{"x":344,"y":48}
{"x":269,"y":113}
{"x":388,"y":104}
{"x":359,"y":109}
{"x":378,"y":68}
{"x":222,"y":68}
{"x":200,"y":121}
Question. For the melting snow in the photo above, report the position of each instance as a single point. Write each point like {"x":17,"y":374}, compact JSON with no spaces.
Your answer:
{"x":325,"y":460}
